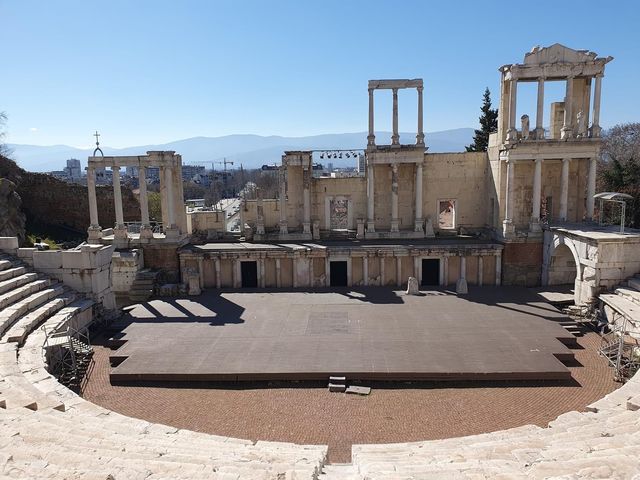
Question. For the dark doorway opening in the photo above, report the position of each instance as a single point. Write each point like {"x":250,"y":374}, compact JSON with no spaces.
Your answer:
{"x":249,"y":274}
{"x":430,"y":271}
{"x":338,"y":273}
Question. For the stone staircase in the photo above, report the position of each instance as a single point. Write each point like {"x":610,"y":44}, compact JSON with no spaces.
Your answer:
{"x":143,"y":285}
{"x":48,"y":431}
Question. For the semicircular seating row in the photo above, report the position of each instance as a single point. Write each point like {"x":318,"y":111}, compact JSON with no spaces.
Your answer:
{"x":47,"y":431}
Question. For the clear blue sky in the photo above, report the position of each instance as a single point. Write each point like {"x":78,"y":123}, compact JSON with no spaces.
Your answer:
{"x":154,"y":71}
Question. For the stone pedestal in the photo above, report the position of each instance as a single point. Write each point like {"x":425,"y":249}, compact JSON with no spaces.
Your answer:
{"x":146,"y":232}
{"x":194,"y":285}
{"x":412,"y":286}
{"x":284,"y":230}
{"x":94,"y":235}
{"x":428,"y":229}
{"x":508,"y":229}
{"x":395,"y":225}
{"x":360,"y":228}
{"x":316,"y":230}
{"x":120,"y":232}
{"x":461,"y":286}
{"x":306,"y":228}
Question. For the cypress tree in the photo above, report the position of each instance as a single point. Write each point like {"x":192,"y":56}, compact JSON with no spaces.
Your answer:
{"x":488,"y":124}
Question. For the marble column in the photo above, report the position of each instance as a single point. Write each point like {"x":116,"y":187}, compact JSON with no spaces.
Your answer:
{"x":534,"y":224}
{"x":394,"y":198}
{"x":365,"y":271}
{"x":311,"y":273}
{"x":370,"y":198}
{"x":512,"y":133}
{"x":171,"y":229}
{"x":591,"y":187}
{"x":94,"y":230}
{"x":294,"y":271}
{"x":445,"y":271}
{"x":595,"y":126}
{"x":278,"y":274}
{"x":283,"y":202}
{"x":120,"y":230}
{"x":395,"y":137}
{"x":381,"y":271}
{"x":216,"y":263}
{"x":234,"y":272}
{"x":480,"y":270}
{"x":461,"y":284}
{"x":371,"y":138}
{"x":416,"y":268}
{"x":540,"y":110}
{"x":508,"y":228}
{"x":261,"y":273}
{"x":567,"y":128}
{"x":399,"y":271}
{"x":564,"y":189}
{"x":327,"y":272}
{"x":145,"y":227}
{"x":498,"y":268}
{"x":306,"y":222}
{"x":420,"y":135}
{"x":419,"y":220}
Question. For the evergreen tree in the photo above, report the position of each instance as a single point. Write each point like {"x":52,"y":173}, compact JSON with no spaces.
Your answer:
{"x":488,"y":124}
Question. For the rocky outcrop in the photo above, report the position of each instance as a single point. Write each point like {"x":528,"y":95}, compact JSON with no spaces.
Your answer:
{"x":12,"y":219}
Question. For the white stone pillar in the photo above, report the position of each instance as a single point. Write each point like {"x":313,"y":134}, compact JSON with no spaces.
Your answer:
{"x":145,"y":227}
{"x":512,"y":133}
{"x":398,"y":271}
{"x":567,"y":128}
{"x":540,"y":110}
{"x":394,"y":198}
{"x":591,"y":187}
{"x":445,"y":271}
{"x":498,"y":268}
{"x":420,"y":136}
{"x":480,"y":270}
{"x":534,"y":225}
{"x":94,"y":231}
{"x":381,"y":271}
{"x":416,"y":268}
{"x":365,"y":271}
{"x":461,"y":284}
{"x":371,"y":138}
{"x":169,"y":193}
{"x":327,"y":272}
{"x":311,"y":273}
{"x":294,"y":271}
{"x":235,"y":270}
{"x":306,"y":222}
{"x":216,"y":263}
{"x":508,"y":228}
{"x":120,"y":230}
{"x":278,"y":274}
{"x":370,"y":198}
{"x":283,"y":202}
{"x":564,"y":189}
{"x":595,"y":126}
{"x":395,"y":138}
{"x":261,"y":273}
{"x":419,"y":220}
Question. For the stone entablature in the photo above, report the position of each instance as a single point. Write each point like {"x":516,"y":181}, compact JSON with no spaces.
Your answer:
{"x":171,"y":192}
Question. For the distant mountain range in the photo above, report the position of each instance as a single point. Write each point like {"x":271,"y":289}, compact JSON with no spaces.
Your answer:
{"x":252,"y":151}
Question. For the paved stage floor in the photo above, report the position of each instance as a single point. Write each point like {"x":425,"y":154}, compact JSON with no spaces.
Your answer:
{"x":374,"y":333}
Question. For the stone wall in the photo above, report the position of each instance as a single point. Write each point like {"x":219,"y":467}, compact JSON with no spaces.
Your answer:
{"x":522,"y":263}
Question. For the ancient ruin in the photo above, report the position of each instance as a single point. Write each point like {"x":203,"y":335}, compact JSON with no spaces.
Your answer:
{"x":458,"y":232}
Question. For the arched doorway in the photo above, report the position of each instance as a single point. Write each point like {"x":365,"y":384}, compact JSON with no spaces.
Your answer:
{"x":562,"y":269}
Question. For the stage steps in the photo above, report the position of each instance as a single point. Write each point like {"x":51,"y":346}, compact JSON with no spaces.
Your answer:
{"x":143,"y":285}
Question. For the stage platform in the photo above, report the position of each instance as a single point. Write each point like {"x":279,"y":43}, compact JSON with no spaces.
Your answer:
{"x":374,"y":333}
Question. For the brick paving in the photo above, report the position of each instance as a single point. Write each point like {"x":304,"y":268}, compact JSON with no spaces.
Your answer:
{"x":400,"y":413}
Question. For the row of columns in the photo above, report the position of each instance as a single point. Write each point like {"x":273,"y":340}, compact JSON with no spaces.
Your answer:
{"x":395,"y":215}
{"x":120,"y":229}
{"x":236,"y":274}
{"x":395,"y":135}
{"x":508,"y":226}
{"x":567,"y":128}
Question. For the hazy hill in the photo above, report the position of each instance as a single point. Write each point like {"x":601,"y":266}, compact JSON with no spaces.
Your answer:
{"x":249,"y":150}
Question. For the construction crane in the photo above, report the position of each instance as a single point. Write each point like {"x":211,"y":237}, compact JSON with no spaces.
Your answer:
{"x":224,"y":162}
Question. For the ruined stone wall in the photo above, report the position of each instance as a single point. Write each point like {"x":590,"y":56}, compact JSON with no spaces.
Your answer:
{"x":12,"y":219}
{"x":354,"y":188}
{"x":522,"y":263}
